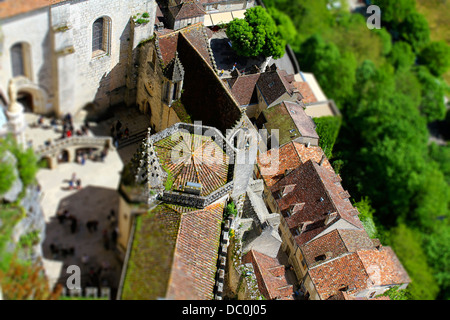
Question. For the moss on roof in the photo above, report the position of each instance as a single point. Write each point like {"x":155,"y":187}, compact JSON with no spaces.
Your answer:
{"x":150,"y":262}
{"x":278,"y":118}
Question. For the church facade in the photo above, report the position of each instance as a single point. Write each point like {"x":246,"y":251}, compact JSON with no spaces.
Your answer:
{"x":63,"y":56}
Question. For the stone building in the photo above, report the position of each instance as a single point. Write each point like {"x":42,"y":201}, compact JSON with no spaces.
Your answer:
{"x":64,"y":55}
{"x":178,"y":242}
{"x":325,"y":240}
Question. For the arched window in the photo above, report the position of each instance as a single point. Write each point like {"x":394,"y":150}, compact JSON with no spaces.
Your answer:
{"x":100,"y":36}
{"x":17,"y":63}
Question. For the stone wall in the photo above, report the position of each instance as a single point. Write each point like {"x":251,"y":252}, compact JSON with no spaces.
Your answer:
{"x":103,"y":75}
{"x":32,"y":30}
{"x":58,"y":53}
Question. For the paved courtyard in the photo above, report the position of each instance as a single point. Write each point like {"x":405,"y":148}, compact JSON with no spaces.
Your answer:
{"x":92,"y":250}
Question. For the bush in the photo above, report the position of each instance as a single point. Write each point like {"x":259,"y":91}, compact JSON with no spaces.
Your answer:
{"x":328,"y":129}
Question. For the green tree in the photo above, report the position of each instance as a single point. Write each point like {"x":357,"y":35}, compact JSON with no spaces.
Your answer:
{"x":285,"y":26}
{"x":366,"y":215}
{"x":394,"y":12}
{"x":334,"y":71}
{"x":436,"y":57}
{"x":438,"y":252}
{"x":407,"y":244}
{"x":328,"y":130}
{"x":415,"y":30}
{"x":432,"y":105}
{"x":7,"y":176}
{"x":402,"y":55}
{"x":386,"y":40}
{"x":256,"y":34}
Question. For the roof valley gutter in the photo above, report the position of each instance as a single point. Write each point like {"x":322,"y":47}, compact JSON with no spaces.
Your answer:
{"x":127,"y":258}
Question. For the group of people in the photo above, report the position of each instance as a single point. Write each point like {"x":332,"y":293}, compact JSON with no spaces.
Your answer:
{"x":64,"y":215}
{"x":74,"y":182}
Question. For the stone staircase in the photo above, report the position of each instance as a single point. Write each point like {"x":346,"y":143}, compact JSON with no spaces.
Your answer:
{"x":133,"y":139}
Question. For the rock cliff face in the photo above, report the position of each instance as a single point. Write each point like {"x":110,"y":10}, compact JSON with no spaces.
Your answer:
{"x":32,"y":222}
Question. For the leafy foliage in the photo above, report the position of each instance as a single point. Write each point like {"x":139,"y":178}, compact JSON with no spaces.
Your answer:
{"x":436,"y":57}
{"x":387,"y":92}
{"x":328,"y":130}
{"x":256,"y":34}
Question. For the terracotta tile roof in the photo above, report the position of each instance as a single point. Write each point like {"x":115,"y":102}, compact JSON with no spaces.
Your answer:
{"x":384,"y":266}
{"x":151,"y":255}
{"x":306,"y":91}
{"x":193,"y":158}
{"x":334,"y":244}
{"x":271,"y":276}
{"x":346,"y":273}
{"x":168,"y":42}
{"x":243,"y":88}
{"x":10,"y":8}
{"x":273,"y":164}
{"x":168,"y":46}
{"x":320,"y":190}
{"x":195,"y":258}
{"x":366,"y":268}
{"x":174,"y":254}
{"x":274,"y":83}
{"x":187,"y":9}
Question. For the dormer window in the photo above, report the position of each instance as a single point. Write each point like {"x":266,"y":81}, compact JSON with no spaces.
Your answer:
{"x":321,"y":257}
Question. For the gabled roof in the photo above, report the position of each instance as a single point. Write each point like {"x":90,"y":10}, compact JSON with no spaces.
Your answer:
{"x":334,"y":244}
{"x":168,"y":42}
{"x":243,"y":88}
{"x":320,"y":190}
{"x":290,"y":120}
{"x":174,"y":70}
{"x":174,"y":254}
{"x":187,"y":9}
{"x":346,"y":273}
{"x":274,"y":83}
{"x":275,"y":163}
{"x":306,"y":92}
{"x":270,"y":275}
{"x":353,"y":272}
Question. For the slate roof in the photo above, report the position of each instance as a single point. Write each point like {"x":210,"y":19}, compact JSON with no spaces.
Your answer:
{"x":274,"y":83}
{"x":243,"y":88}
{"x":274,"y":163}
{"x":193,"y":158}
{"x":320,"y":191}
{"x":174,"y":254}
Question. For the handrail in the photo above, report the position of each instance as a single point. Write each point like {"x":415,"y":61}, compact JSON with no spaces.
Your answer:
{"x":73,"y":141}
